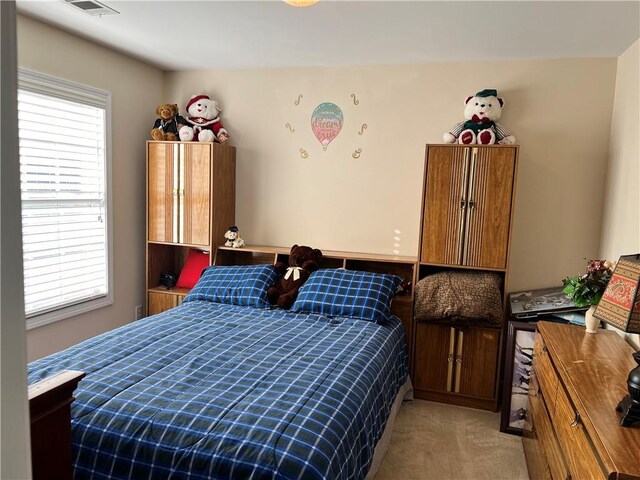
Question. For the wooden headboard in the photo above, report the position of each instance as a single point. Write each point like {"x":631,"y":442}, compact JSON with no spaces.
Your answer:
{"x":403,"y":266}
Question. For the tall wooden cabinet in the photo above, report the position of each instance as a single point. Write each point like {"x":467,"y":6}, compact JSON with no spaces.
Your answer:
{"x":190,"y":204}
{"x":465,"y":224}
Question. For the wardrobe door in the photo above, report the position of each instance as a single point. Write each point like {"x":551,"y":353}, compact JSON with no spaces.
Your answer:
{"x":477,"y":351}
{"x":162,"y":192}
{"x":444,"y":204}
{"x":434,"y":347}
{"x":195,"y":194}
{"x":491,"y":176}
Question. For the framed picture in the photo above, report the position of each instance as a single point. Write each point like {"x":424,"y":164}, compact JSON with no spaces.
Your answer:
{"x":533,"y":303}
{"x":517,"y":373}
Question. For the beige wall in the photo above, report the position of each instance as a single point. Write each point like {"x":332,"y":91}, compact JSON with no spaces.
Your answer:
{"x":560,"y":111}
{"x":136,"y":89}
{"x":621,"y":218}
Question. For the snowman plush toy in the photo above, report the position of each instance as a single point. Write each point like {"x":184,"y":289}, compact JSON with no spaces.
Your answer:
{"x":482,"y":112}
{"x":204,"y":121}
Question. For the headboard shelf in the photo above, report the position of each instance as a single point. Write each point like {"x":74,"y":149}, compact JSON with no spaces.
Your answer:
{"x":403,"y":266}
{"x":326,"y":254}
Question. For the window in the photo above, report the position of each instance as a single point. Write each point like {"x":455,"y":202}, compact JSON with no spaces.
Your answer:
{"x":64,"y":177}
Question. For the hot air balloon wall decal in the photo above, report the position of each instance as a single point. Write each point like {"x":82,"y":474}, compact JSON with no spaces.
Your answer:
{"x":326,"y":123}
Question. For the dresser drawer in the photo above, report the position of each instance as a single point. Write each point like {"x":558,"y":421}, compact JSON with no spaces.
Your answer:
{"x":574,"y":440}
{"x":545,"y":373}
{"x":544,"y":431}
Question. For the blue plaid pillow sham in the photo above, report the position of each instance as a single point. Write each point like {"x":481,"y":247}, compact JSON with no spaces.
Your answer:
{"x":235,"y":285}
{"x":348,"y":293}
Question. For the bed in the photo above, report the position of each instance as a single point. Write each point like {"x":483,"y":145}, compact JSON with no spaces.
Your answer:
{"x":208,"y":390}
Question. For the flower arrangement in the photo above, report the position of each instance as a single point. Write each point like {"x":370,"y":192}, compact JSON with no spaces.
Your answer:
{"x":586,"y":290}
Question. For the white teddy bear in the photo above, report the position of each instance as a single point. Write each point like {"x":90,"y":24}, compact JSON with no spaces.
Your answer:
{"x":233,"y":238}
{"x":203,"y":115}
{"x":481,"y":111}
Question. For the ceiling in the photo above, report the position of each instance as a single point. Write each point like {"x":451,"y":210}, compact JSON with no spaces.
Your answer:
{"x":184,"y":35}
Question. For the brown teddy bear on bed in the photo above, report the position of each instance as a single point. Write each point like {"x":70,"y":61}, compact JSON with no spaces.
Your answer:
{"x":303,"y":261}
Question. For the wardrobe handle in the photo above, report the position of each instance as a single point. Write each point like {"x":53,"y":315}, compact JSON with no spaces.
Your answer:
{"x":471,"y":204}
{"x":463,"y":205}
{"x":576,"y":421}
{"x":176,"y":179}
{"x":181,"y":194}
{"x":452,"y":345}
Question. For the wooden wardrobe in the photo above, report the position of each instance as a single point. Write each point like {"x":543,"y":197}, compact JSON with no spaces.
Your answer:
{"x":466,"y":221}
{"x":190,"y":204}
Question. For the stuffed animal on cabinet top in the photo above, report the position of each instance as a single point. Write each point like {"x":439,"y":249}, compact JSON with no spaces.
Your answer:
{"x":233,"y":238}
{"x":166,"y":127}
{"x":203,"y":121}
{"x":303,"y":261}
{"x":481,"y":112}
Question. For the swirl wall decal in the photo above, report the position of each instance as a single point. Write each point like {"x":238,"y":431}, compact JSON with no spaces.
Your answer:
{"x":362,"y":129}
{"x":355,"y":100}
{"x":297,"y":102}
{"x":357,"y":153}
{"x":303,"y":153}
{"x":288,"y":125}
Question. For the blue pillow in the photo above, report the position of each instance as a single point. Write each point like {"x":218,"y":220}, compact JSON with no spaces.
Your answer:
{"x":348,"y":293}
{"x":235,"y":285}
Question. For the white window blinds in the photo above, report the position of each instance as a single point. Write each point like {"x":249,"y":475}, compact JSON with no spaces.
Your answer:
{"x":64,"y":196}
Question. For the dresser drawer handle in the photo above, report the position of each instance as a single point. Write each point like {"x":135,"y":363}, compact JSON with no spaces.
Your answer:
{"x":544,"y":350}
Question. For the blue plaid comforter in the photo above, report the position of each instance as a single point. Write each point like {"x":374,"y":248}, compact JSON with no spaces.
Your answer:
{"x":217,"y":391}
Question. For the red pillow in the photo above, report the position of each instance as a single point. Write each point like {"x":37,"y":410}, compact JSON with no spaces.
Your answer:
{"x":196,"y":262}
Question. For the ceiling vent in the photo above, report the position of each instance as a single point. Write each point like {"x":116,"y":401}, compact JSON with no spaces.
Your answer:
{"x":92,"y":7}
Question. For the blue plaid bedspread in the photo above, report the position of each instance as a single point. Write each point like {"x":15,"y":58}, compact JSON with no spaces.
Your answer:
{"x":216,"y":391}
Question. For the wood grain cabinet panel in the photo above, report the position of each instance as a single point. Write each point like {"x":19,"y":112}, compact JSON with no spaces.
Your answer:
{"x":445,"y":194}
{"x":491,"y":174}
{"x":434,"y":357}
{"x":162,"y":191}
{"x":195,"y":194}
{"x":468,"y":196}
{"x":477,"y":364}
{"x":159,"y":302}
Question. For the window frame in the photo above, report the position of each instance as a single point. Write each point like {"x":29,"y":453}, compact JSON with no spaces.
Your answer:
{"x":44,"y":84}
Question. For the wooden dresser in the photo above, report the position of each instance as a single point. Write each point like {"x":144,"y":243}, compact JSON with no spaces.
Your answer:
{"x":572,"y":428}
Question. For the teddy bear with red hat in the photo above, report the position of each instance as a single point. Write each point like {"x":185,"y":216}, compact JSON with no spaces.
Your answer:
{"x":481,"y":111}
{"x":204,"y":121}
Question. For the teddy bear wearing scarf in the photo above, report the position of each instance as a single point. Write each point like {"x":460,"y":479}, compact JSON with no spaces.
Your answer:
{"x":204,"y":120}
{"x":481,"y":111}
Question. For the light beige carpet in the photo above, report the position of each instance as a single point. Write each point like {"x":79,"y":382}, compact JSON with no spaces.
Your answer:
{"x":442,"y":442}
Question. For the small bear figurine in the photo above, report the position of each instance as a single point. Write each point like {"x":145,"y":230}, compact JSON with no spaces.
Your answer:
{"x":303,"y":261}
{"x":233,"y":238}
{"x":166,"y":127}
{"x":481,"y":111}
{"x":203,"y":121}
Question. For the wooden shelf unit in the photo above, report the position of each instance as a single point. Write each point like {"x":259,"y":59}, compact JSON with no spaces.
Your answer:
{"x":190,"y":204}
{"x":466,"y":220}
{"x":403,"y":266}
